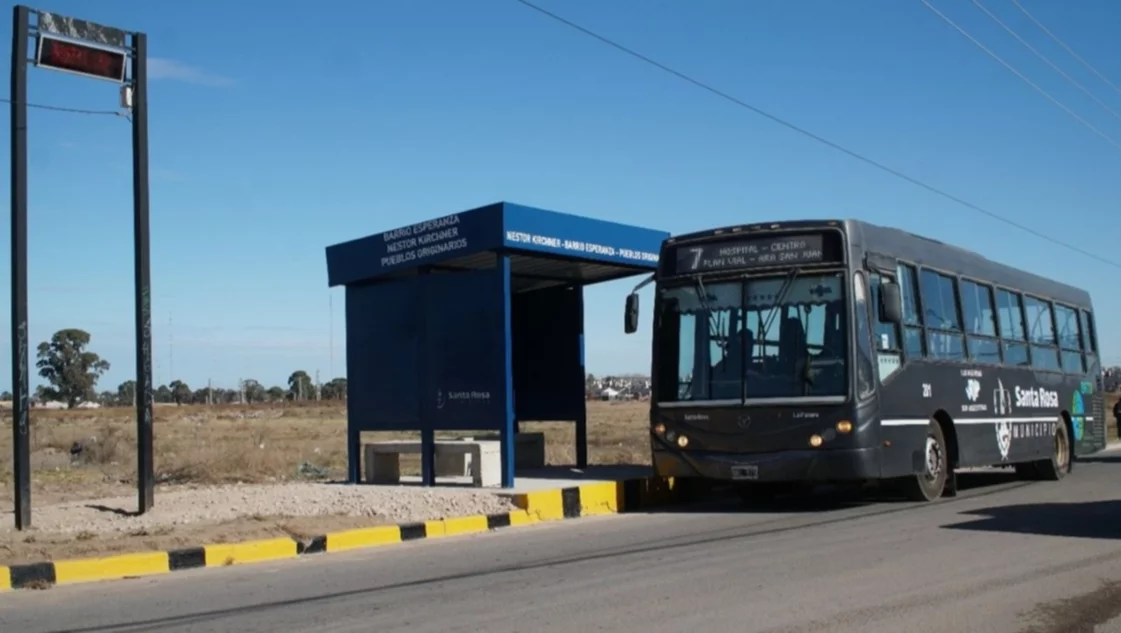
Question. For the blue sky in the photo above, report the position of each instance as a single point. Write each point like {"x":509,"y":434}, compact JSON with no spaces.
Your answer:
{"x":276,"y":133}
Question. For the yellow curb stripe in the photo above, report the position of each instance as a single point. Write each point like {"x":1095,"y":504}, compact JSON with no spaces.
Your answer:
{"x":521,"y":517}
{"x":600,"y":498}
{"x":110,"y":567}
{"x":363,"y":537}
{"x":465,"y":525}
{"x":544,"y":505}
{"x":5,"y":579}
{"x":433,"y":529}
{"x":249,"y":552}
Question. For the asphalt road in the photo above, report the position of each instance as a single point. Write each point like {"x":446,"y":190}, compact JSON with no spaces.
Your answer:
{"x":1005,"y":556}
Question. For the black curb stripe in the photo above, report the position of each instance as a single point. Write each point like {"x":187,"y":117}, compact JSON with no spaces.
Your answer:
{"x":315,"y":545}
{"x":631,"y":489}
{"x":495,"y":521}
{"x":570,"y":502}
{"x":30,"y":575}
{"x":186,"y":558}
{"x":413,"y":531}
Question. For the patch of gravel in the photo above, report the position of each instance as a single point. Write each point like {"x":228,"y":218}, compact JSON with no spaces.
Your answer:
{"x":392,"y":504}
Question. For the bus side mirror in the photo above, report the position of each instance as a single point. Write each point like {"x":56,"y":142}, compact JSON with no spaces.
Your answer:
{"x":891,"y":303}
{"x":630,"y":320}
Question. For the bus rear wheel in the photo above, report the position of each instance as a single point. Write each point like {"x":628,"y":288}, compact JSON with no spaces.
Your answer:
{"x":1059,"y":464}
{"x":928,"y":484}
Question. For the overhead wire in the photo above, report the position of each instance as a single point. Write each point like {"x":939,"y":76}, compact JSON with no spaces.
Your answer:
{"x":1047,"y":61}
{"x":1066,"y":47}
{"x":1021,"y":75}
{"x":41,"y":106}
{"x":820,"y":139}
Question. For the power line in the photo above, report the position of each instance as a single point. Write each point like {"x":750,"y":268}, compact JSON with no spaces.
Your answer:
{"x":41,"y":106}
{"x":1046,"y":61}
{"x":824,"y":141}
{"x":1067,"y":48}
{"x":1023,"y":78}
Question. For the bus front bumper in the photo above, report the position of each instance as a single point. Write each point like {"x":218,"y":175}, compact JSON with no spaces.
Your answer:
{"x":835,"y":465}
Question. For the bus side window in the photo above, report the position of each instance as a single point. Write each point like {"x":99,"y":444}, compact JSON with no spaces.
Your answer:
{"x":945,"y":339}
{"x":1010,"y":311}
{"x":1041,"y":334}
{"x":889,"y":355}
{"x":1070,"y":348}
{"x":1089,"y":342}
{"x":980,"y":322}
{"x":912,"y":322}
{"x":864,"y":381}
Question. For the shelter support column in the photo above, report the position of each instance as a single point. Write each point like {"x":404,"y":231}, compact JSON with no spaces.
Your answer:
{"x":427,"y":430}
{"x":353,"y":451}
{"x":582,"y":418}
{"x":508,"y":430}
{"x":427,"y":456}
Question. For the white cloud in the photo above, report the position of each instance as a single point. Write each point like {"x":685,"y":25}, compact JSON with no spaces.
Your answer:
{"x":163,"y":68}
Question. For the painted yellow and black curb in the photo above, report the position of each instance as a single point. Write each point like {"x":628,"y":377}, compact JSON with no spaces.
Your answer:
{"x":533,"y":507}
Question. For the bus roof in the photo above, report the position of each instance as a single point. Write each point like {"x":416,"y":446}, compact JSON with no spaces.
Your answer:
{"x":937,"y":254}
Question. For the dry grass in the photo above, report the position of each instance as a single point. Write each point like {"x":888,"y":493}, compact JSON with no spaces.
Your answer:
{"x":200,"y":445}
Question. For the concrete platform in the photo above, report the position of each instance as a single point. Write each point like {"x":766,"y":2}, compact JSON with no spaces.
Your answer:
{"x":547,"y":478}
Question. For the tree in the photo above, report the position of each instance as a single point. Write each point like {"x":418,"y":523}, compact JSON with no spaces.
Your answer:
{"x":126,"y":393}
{"x":275,"y":394}
{"x":300,"y":386}
{"x":334,"y":390}
{"x":5,"y":396}
{"x":180,"y":392}
{"x":70,"y":368}
{"x":253,"y":390}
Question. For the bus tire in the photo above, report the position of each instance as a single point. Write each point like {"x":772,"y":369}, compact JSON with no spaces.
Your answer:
{"x":928,"y":485}
{"x":1060,"y":462}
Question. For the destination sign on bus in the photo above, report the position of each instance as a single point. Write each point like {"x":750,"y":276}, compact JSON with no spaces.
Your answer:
{"x":757,"y":252}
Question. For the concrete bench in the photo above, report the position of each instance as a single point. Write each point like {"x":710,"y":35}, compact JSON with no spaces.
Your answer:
{"x":529,"y":449}
{"x":480,"y":460}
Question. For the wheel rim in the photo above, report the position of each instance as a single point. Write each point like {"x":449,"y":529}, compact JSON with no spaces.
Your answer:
{"x":1061,"y":449}
{"x":933,"y":459}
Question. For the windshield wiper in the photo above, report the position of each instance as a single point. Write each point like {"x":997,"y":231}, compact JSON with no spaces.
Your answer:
{"x":782,"y":292}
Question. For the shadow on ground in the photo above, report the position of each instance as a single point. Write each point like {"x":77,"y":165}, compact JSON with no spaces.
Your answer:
{"x":1109,"y":458}
{"x":1091,"y":519}
{"x":833,"y":498}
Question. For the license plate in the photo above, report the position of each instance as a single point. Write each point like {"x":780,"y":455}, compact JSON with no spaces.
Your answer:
{"x":745,"y":471}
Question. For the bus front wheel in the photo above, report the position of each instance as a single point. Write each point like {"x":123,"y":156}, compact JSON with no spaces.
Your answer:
{"x":928,"y":484}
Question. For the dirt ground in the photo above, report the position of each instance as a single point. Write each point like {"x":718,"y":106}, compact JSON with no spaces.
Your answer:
{"x":203,"y":448}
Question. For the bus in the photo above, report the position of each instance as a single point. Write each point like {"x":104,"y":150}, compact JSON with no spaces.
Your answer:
{"x":841,"y":352}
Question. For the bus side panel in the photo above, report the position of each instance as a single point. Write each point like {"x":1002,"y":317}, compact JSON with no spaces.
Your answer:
{"x":999,"y":415}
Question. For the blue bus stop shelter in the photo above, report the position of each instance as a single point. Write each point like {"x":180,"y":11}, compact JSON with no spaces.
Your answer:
{"x":475,"y":321}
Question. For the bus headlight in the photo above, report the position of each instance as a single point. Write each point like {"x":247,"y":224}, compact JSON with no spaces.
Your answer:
{"x":816,"y":441}
{"x":844,"y":426}
{"x":682,"y":441}
{"x":659,"y":428}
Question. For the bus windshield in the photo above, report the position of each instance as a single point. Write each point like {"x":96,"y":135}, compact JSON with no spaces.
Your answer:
{"x":735,"y":342}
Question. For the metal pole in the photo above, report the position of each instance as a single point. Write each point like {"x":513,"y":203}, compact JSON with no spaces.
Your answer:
{"x":21,"y":439}
{"x":143,"y":289}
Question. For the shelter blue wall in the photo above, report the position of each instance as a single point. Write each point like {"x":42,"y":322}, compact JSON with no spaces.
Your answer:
{"x":428,"y":348}
{"x":548,"y":326}
{"x":383,"y":328}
